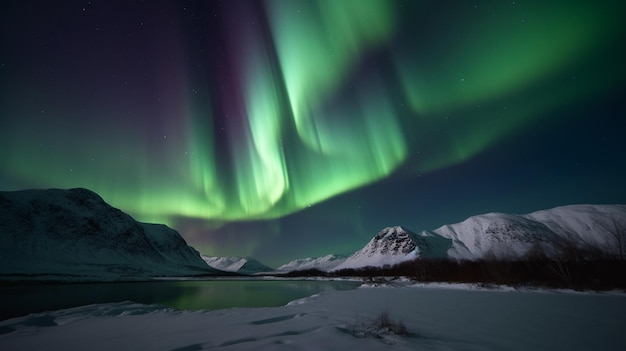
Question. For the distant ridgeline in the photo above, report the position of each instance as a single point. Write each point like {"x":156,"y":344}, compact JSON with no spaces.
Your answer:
{"x":240,"y":265}
{"x":503,"y":236}
{"x":577,"y":245}
{"x":74,"y":235}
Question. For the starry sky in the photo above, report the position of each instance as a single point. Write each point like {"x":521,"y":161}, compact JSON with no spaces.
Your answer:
{"x":283,"y":129}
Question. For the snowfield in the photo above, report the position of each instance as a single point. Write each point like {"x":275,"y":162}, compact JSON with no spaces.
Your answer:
{"x":438,"y":317}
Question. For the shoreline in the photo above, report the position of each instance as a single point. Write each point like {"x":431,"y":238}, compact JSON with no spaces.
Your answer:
{"x":436,"y":317}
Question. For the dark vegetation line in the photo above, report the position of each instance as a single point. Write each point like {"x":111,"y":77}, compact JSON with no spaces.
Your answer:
{"x":572,"y":267}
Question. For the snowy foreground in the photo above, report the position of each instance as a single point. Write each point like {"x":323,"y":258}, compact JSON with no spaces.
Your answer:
{"x":438,"y":317}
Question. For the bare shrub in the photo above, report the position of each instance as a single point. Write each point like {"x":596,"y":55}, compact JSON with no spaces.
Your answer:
{"x":384,"y":322}
{"x":382,"y":327}
{"x":616,"y":229}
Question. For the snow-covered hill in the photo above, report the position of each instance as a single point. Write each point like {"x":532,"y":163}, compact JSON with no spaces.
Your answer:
{"x":74,"y":234}
{"x":393,"y":245}
{"x":510,"y":236}
{"x":242,"y":265}
{"x":587,"y":223}
{"x":500,"y":235}
{"x":496,"y":234}
{"x":325,"y":263}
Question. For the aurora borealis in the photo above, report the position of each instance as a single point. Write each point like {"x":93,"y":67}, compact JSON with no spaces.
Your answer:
{"x":285,"y":129}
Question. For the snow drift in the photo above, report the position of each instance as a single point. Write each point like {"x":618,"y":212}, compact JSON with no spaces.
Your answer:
{"x":438,"y":318}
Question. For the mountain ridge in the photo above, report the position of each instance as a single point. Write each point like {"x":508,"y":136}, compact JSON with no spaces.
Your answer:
{"x":494,"y":235}
{"x":324,"y":263}
{"x":75,"y":234}
{"x":236,"y":264}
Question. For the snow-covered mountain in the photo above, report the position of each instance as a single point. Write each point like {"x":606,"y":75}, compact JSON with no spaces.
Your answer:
{"x":325,"y":263}
{"x":499,"y":235}
{"x":75,"y":234}
{"x":393,"y":245}
{"x":496,"y":234}
{"x":588,"y":223}
{"x":242,"y":265}
{"x":510,"y":236}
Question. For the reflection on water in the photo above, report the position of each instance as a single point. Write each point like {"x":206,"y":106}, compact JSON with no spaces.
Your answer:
{"x":18,"y":300}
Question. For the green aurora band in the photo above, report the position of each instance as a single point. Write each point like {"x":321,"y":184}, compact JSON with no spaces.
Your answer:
{"x":311,"y":125}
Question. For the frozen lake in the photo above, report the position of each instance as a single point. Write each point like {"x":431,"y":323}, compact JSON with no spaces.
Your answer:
{"x":437,"y":318}
{"x":19,"y":300}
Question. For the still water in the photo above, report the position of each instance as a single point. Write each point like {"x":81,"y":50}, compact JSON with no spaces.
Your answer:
{"x":19,"y":300}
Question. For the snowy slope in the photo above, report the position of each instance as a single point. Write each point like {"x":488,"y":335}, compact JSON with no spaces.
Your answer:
{"x":243,"y":265}
{"x":75,"y":233}
{"x":325,"y":263}
{"x":499,"y":235}
{"x":393,"y":245}
{"x":581,"y":222}
{"x":510,"y":236}
{"x":496,"y":234}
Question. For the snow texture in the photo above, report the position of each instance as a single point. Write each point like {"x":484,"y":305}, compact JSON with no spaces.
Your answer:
{"x":499,"y":235}
{"x":393,"y":245}
{"x":325,"y":263}
{"x":75,"y":235}
{"x":242,"y":265}
{"x":512,"y":236}
{"x":435,"y":318}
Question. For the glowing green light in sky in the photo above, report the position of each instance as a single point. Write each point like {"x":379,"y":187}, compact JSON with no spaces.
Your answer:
{"x":263,"y":177}
{"x":496,"y":71}
{"x":317,"y":43}
{"x":314,"y":117}
{"x":502,"y":55}
{"x":294,"y":151}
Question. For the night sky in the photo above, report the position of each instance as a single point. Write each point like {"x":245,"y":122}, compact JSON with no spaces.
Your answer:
{"x":287,"y":129}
